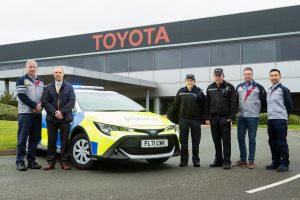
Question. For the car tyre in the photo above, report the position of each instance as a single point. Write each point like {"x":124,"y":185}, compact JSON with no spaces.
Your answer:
{"x":80,"y":152}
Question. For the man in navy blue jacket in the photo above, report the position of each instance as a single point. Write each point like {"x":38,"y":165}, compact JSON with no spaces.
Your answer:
{"x":58,"y":101}
{"x":279,"y":102}
{"x":188,"y":108}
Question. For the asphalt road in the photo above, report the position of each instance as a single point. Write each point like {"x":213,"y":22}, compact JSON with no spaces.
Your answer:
{"x":140,"y":180}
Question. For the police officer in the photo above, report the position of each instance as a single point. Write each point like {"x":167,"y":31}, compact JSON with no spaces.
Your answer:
{"x":188,"y":105}
{"x":221,"y":106}
{"x":30,"y":89}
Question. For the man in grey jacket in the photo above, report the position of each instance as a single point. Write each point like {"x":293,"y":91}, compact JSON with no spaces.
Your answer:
{"x":251,"y":100}
{"x":29,"y":90}
{"x":279,"y":102}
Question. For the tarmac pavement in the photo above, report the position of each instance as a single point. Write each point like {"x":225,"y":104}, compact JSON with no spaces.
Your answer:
{"x":140,"y":180}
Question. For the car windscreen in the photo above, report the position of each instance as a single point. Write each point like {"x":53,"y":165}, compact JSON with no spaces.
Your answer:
{"x":105,"y":101}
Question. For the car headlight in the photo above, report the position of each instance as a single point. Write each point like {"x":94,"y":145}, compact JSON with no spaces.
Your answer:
{"x":171,"y":127}
{"x":107,"y":128}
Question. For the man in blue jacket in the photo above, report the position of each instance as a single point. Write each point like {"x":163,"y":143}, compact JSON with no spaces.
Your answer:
{"x":279,"y":102}
{"x":30,"y":89}
{"x":58,"y":101}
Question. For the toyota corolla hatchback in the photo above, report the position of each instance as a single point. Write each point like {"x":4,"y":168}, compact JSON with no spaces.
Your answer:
{"x":109,"y":125}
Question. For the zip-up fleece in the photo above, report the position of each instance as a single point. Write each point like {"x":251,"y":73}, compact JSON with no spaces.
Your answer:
{"x":187,"y":105}
{"x":221,"y":101}
{"x":279,"y":102}
{"x":254,"y":103}
{"x":29,"y":93}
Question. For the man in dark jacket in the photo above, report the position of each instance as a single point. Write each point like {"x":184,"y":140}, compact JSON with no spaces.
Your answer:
{"x":221,"y":106}
{"x":58,"y":101}
{"x":188,"y":104}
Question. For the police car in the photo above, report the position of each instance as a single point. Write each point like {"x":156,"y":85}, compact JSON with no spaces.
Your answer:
{"x":109,"y":125}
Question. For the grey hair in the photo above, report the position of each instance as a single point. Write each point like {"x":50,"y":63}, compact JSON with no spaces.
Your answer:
{"x":31,"y":61}
{"x":59,"y":67}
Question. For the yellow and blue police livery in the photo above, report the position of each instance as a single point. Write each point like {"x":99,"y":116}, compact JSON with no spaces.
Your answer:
{"x":109,"y":125}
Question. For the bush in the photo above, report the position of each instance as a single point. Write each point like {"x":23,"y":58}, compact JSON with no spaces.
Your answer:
{"x":263,"y":119}
{"x":9,"y":99}
{"x":294,"y":119}
{"x":8,"y":112}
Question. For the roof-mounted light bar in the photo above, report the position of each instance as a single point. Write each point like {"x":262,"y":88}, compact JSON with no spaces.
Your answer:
{"x":88,"y":87}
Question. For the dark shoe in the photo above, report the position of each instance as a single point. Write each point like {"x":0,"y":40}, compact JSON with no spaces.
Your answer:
{"x":183,"y":164}
{"x":283,"y":168}
{"x":65,"y":166}
{"x":272,"y":166}
{"x":196,"y":165}
{"x":49,"y":166}
{"x":216,"y":164}
{"x":226,"y":166}
{"x":33,"y":165}
{"x":21,"y":167}
{"x":241,"y":163}
{"x":251,"y":164}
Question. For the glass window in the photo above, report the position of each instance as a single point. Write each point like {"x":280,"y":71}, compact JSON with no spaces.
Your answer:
{"x":106,"y":101}
{"x":225,"y":55}
{"x":117,"y":63}
{"x":4,"y":67}
{"x":256,"y":52}
{"x":167,"y":59}
{"x":141,"y":61}
{"x":195,"y":57}
{"x":71,"y":62}
{"x":18,"y":65}
{"x":95,"y":63}
{"x":42,"y":63}
{"x":288,"y":49}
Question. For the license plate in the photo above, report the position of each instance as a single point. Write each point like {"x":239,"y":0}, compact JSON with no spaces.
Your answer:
{"x":154,"y":143}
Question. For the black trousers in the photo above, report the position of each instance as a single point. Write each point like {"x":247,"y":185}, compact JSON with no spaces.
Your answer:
{"x":277,"y":131}
{"x":185,"y":125}
{"x":221,"y":133}
{"x":55,"y":128}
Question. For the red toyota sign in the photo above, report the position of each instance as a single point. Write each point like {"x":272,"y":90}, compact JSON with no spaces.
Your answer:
{"x":134,"y":38}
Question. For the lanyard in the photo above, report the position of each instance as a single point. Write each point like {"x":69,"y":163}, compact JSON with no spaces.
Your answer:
{"x":248,"y":93}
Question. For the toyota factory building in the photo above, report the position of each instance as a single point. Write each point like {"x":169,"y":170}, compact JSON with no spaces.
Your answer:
{"x":149,"y":63}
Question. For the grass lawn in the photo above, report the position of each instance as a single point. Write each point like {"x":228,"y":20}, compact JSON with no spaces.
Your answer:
{"x":291,"y":127}
{"x":8,"y":134}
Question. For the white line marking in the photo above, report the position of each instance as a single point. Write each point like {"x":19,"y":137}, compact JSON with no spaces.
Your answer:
{"x":273,"y":184}
{"x":294,"y":135}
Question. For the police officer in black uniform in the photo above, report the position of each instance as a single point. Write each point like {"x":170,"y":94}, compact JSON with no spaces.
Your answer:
{"x":221,"y":107}
{"x":188,"y":107}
